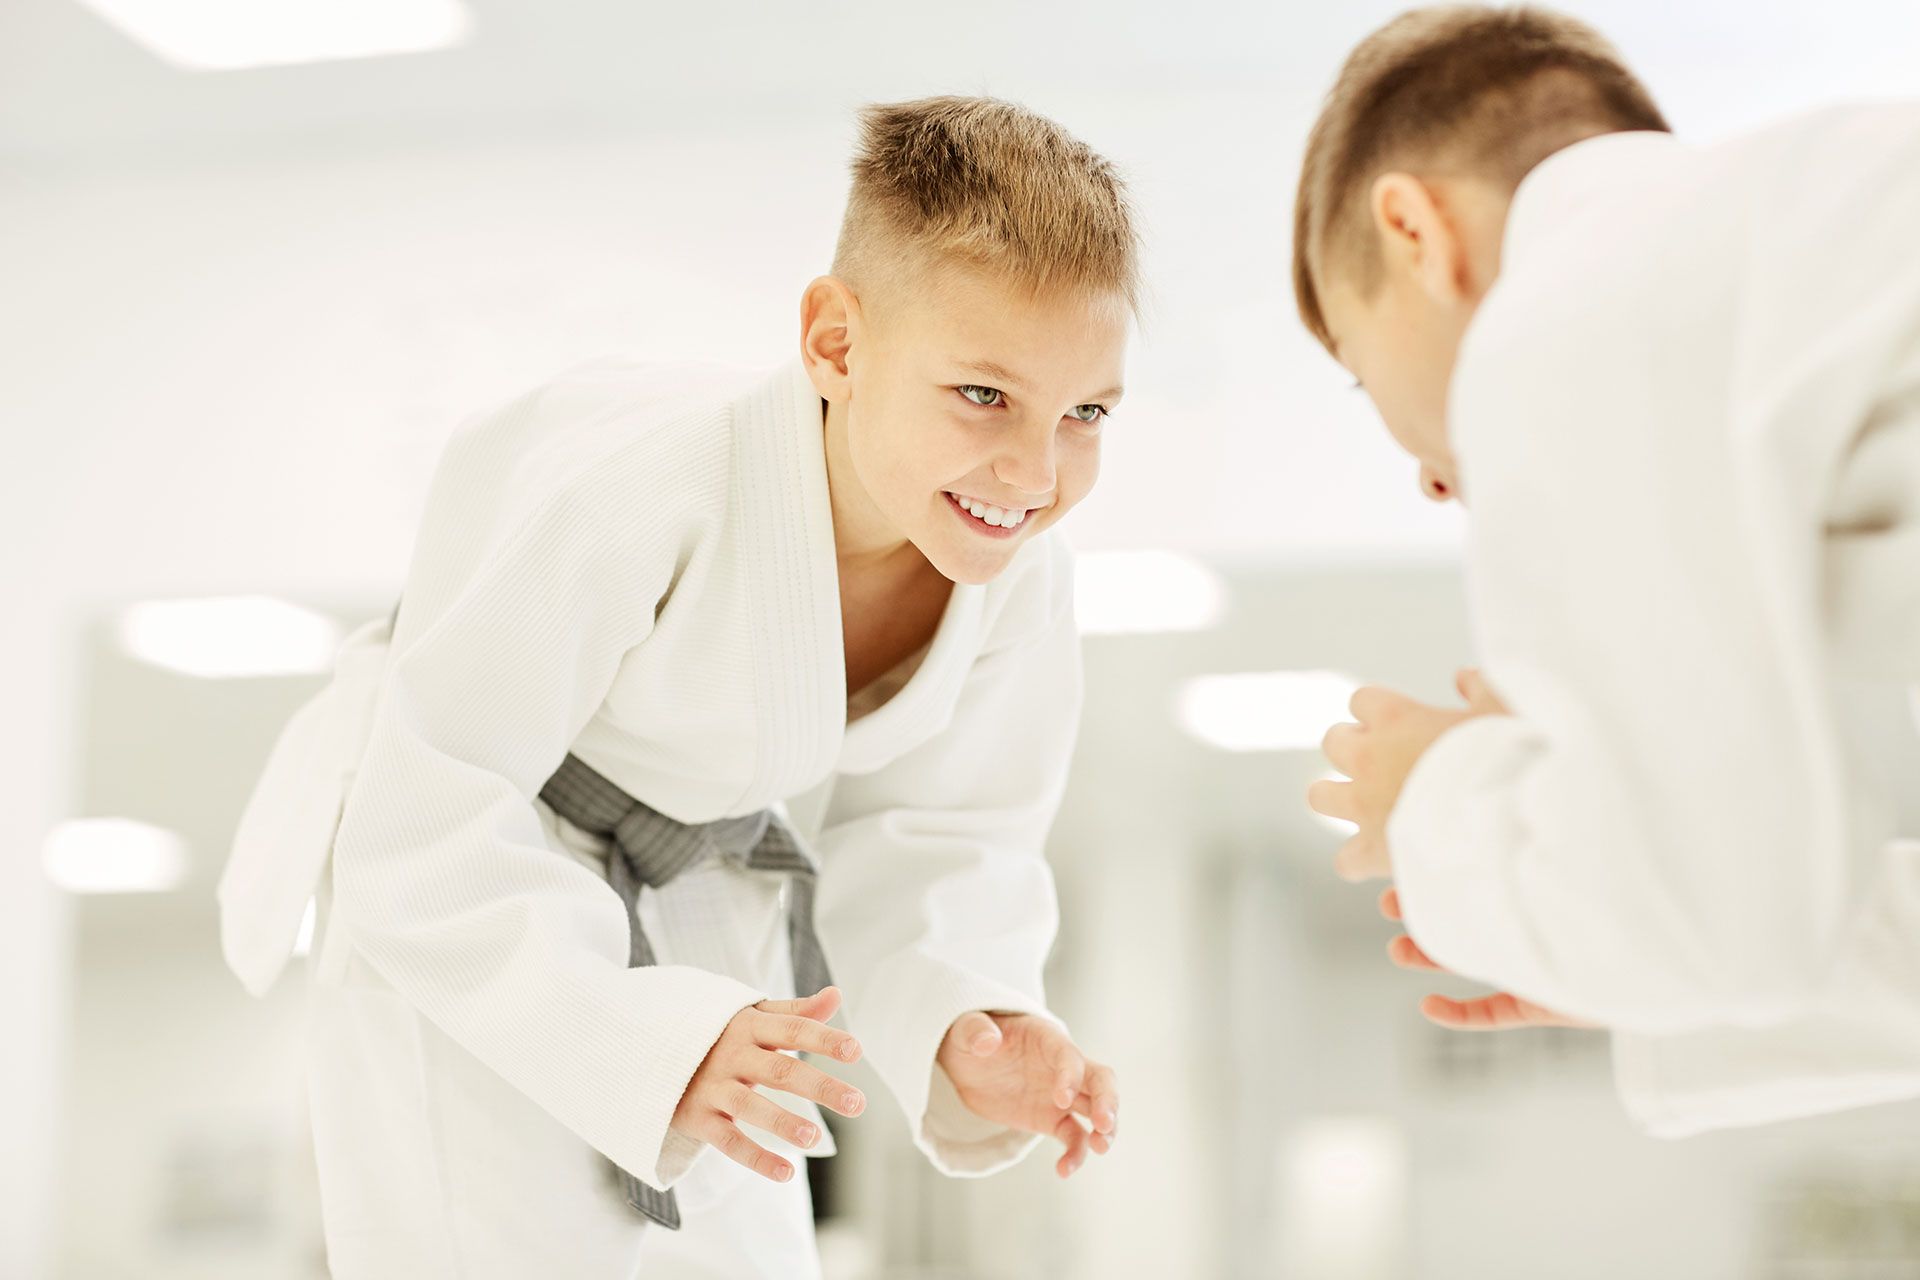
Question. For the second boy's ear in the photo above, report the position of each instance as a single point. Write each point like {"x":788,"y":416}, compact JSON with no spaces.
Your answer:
{"x":829,"y":320}
{"x":1417,"y":238}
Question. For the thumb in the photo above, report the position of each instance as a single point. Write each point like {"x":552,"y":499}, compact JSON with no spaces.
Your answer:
{"x":1479,"y":696}
{"x":819,"y":1006}
{"x":974,"y":1033}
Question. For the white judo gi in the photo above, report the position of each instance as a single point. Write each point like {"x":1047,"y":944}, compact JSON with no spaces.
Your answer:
{"x":1687,"y":417}
{"x":637,"y":565}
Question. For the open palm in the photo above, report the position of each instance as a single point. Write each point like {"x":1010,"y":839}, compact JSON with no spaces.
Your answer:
{"x":1026,"y":1073}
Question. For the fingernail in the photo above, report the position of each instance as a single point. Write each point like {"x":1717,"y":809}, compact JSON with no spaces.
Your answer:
{"x":808,"y":1135}
{"x":784,"y":1173}
{"x":847,"y":1051}
{"x":853,"y":1103}
{"x":982,"y":1043}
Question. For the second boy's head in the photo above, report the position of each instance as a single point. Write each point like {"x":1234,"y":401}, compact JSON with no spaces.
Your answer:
{"x":1431,"y":125}
{"x":971,"y":339}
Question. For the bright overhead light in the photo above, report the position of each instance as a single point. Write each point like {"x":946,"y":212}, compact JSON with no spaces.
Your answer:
{"x":231,"y":636}
{"x":227,"y":35}
{"x":1132,"y":592}
{"x":114,"y":855}
{"x":1264,"y":710}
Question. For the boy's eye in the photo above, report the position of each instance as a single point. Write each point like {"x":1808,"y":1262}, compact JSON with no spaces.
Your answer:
{"x":984,"y":396}
{"x":1088,"y":412}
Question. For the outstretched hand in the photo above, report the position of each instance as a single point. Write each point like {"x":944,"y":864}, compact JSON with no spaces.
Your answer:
{"x":1026,"y":1073}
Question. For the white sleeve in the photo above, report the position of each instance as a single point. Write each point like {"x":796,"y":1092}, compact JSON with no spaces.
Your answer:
{"x":935,"y":895}
{"x":1666,"y":834}
{"x":442,"y":871}
{"x":1857,"y":1044}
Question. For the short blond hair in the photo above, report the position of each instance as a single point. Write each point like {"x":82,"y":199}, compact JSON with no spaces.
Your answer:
{"x":991,"y":185}
{"x":1463,"y":90}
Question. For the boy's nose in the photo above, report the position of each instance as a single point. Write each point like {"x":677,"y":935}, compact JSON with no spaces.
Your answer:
{"x":1028,"y":465}
{"x":1433,"y":486}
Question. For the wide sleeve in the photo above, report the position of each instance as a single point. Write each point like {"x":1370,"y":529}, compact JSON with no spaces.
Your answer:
{"x":442,"y":869}
{"x":1666,"y":834}
{"x":1858,"y":1042}
{"x":935,"y":895}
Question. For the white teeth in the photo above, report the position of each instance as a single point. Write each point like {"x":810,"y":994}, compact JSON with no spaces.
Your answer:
{"x":998,"y":517}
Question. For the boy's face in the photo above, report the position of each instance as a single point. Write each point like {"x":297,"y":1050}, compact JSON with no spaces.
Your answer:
{"x":1439,"y":245}
{"x":973,"y":413}
{"x":1401,"y":351}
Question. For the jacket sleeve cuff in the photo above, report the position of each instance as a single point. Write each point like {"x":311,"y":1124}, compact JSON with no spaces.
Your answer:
{"x":706,"y":1003}
{"x":1449,"y":842}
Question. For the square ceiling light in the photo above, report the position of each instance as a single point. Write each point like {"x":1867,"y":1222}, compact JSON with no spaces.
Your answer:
{"x":227,"y":637}
{"x":114,"y":855}
{"x":229,"y":35}
{"x":1264,"y":710}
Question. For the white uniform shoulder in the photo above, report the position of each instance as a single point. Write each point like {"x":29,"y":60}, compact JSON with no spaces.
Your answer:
{"x":608,"y":438}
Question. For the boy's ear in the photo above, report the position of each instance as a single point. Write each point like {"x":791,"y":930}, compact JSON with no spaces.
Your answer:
{"x":829,"y":318}
{"x":1417,"y":237}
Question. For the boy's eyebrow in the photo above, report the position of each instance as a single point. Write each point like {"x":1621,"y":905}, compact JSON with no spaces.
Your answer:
{"x":1001,"y":374}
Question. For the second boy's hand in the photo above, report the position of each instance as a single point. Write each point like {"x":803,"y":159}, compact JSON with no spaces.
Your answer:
{"x":1026,"y":1073}
{"x":1389,"y":735}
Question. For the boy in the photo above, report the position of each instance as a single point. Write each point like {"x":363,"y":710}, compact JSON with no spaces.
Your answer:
{"x":1679,"y":390}
{"x":564,"y":907}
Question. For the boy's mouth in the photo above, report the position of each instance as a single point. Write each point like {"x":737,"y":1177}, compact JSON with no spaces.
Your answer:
{"x":995,"y":522}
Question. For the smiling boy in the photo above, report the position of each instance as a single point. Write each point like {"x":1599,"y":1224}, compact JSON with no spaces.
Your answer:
{"x":566,"y":928}
{"x":1679,"y":389}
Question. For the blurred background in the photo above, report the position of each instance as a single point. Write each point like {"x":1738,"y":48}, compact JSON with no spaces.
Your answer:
{"x":258,"y":258}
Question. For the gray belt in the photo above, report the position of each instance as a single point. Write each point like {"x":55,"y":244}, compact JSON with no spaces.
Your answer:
{"x":649,"y":848}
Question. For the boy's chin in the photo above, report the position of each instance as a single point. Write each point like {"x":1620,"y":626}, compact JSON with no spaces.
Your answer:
{"x":970,"y":566}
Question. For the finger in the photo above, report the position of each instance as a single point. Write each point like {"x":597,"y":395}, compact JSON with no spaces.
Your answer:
{"x":1075,"y":1138}
{"x":1099,"y":1143}
{"x":1334,"y":799}
{"x":1479,"y":695}
{"x":1390,"y":905}
{"x":974,"y":1033}
{"x":819,"y":1006}
{"x":1406,"y":953}
{"x":790,"y":1075}
{"x":720,"y":1133}
{"x":1500,"y":1012}
{"x":1373,"y":704}
{"x":1342,"y":746}
{"x":744,"y":1105}
{"x":796,"y":1031}
{"x":1102,"y":1089}
{"x":1364,"y":857}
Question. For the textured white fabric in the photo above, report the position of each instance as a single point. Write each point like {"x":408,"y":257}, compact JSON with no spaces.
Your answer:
{"x":1686,"y":416}
{"x":638,"y":565}
{"x":431,"y":1165}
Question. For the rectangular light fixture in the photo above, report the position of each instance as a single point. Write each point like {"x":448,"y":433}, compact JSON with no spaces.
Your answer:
{"x":1135,"y":592}
{"x":222,"y":637}
{"x":1264,"y":710}
{"x":114,"y":855}
{"x":229,"y":35}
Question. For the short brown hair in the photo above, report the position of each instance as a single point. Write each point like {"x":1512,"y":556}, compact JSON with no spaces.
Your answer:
{"x":990,"y":184}
{"x":1468,"y":89}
